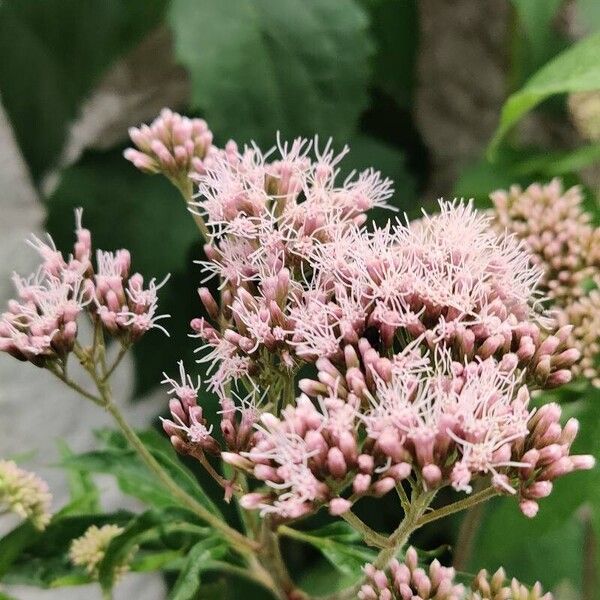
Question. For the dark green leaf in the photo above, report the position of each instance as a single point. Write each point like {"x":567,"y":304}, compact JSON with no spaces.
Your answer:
{"x":395,"y":27}
{"x":134,"y":478}
{"x":53,"y":52}
{"x":574,"y":70}
{"x":13,"y":544}
{"x":259,"y":66}
{"x":149,"y":526}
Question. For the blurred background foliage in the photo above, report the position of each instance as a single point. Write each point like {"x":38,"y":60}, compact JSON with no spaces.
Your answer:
{"x":446,"y":97}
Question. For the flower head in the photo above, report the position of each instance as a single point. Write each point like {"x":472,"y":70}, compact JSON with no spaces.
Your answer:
{"x":171,"y":144}
{"x":24,"y":493}
{"x":88,"y":550}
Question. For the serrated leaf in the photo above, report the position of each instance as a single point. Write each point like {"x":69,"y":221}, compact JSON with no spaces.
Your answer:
{"x":259,"y":66}
{"x":53,"y":52}
{"x":574,"y":70}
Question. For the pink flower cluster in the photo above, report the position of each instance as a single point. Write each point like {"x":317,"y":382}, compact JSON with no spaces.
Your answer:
{"x":407,"y":580}
{"x":41,"y":324}
{"x":291,"y":294}
{"x":426,"y":336}
{"x":380,"y":420}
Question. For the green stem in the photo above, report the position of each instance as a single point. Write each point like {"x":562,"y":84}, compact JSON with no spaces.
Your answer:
{"x":117,"y":362}
{"x":370,"y":536}
{"x":410,"y":522}
{"x":272,"y":560}
{"x":186,"y":189}
{"x":75,"y":386}
{"x":238,"y":541}
{"x":464,"y":504}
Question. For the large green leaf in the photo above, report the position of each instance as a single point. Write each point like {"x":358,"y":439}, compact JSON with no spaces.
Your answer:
{"x":53,"y":52}
{"x":259,"y":66}
{"x":575,"y":70}
{"x":126,"y":209}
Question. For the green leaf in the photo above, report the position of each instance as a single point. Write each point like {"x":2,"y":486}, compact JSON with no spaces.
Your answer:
{"x":541,"y":38}
{"x":151,"y":527}
{"x":53,"y":52}
{"x":339,"y":544}
{"x":574,"y":70}
{"x":259,"y":66}
{"x":13,"y":543}
{"x":188,"y":582}
{"x":133,"y":476}
{"x":85,"y":497}
{"x":127,"y":209}
{"x":395,"y":27}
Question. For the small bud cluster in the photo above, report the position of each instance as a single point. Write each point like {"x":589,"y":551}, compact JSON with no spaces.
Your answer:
{"x":41,"y":324}
{"x":583,"y":315}
{"x":88,"y":550}
{"x":497,"y":587}
{"x":25,"y":494}
{"x":407,"y":580}
{"x":171,"y":144}
{"x":566,"y":247}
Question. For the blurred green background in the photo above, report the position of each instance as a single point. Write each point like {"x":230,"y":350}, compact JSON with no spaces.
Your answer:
{"x":416,"y":88}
